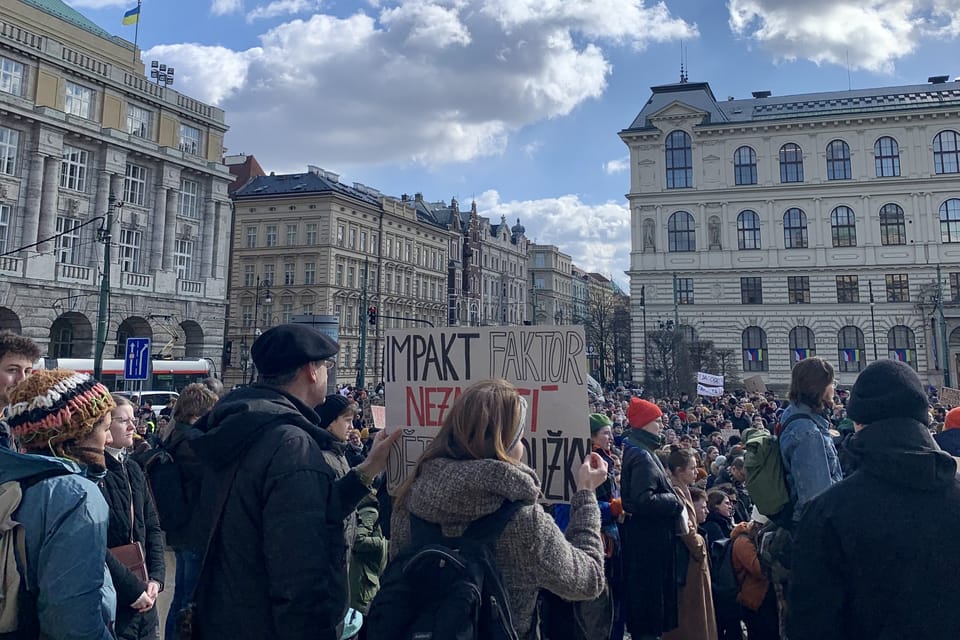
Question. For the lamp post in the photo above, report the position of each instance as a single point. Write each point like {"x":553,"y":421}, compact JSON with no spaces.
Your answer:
{"x":943,"y":331}
{"x":244,"y":357}
{"x":646,"y":346}
{"x":873,"y":320}
{"x":267,"y":299}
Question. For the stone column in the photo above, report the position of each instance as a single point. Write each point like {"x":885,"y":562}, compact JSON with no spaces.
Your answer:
{"x":159,"y":220}
{"x":48,"y":201}
{"x":208,"y":239}
{"x":31,"y":212}
{"x":169,"y":229}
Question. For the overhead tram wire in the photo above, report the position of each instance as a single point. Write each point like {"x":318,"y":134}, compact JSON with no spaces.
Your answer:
{"x":53,"y":237}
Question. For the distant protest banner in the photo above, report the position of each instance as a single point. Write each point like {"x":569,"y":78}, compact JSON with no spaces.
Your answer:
{"x":715,"y":392}
{"x":754,"y":384}
{"x":709,"y":380}
{"x":379,"y":414}
{"x":426,"y":371}
{"x":949,"y":396}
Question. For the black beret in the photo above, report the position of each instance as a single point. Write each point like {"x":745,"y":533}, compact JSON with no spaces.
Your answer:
{"x":290,"y":346}
{"x":887,"y":389}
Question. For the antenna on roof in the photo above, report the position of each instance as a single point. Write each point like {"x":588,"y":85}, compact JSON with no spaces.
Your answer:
{"x":849,"y":83}
{"x":683,"y":71}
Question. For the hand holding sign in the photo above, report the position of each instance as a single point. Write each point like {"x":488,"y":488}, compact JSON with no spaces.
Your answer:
{"x":379,"y":453}
{"x":592,"y":473}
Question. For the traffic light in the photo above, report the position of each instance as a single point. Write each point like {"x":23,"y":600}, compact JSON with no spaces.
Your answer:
{"x":372,"y":315}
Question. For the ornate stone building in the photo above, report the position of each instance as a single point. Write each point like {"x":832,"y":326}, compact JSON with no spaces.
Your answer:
{"x":79,"y":122}
{"x":816,"y":224}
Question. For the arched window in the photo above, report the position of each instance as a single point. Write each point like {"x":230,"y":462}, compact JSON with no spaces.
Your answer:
{"x":850,"y":346}
{"x":748,"y":230}
{"x":902,"y":345}
{"x":794,"y":229}
{"x":843,"y":227}
{"x":946,"y":152}
{"x":791,"y":163}
{"x":950,"y":220}
{"x":754,"y":342}
{"x":745,"y":166}
{"x":679,"y":158}
{"x":689,"y":334}
{"x":838,"y":160}
{"x":803,"y":344}
{"x":893,"y":229}
{"x":886,"y":153}
{"x":681,"y":235}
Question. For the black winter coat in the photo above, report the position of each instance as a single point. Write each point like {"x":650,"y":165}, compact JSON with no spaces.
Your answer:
{"x":949,"y":441}
{"x":124,"y":482}
{"x":717,"y":527}
{"x":649,"y":538}
{"x":191,"y":477}
{"x":277,"y":567}
{"x":874,"y":559}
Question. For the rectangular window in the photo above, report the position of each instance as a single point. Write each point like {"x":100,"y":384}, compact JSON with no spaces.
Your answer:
{"x":68,"y":240}
{"x":190,"y":140}
{"x":363,"y":241}
{"x":538,"y":283}
{"x":406,"y":284}
{"x":848,"y":289}
{"x":249,"y":273}
{"x":898,"y":287}
{"x":308,"y":309}
{"x":373,"y":243}
{"x":78,"y":100}
{"x":538,"y":261}
{"x":389,"y":247}
{"x":246,"y":315}
{"x":11,"y":76}
{"x":351,"y":277}
{"x":9,"y":141}
{"x":289,"y":273}
{"x":751,"y":291}
{"x":251,"y":237}
{"x":955,"y":286}
{"x":270,"y":273}
{"x":291,"y":235}
{"x":271,"y":235}
{"x":309,"y":273}
{"x":4,"y":226}
{"x":353,"y":239}
{"x":286,"y":312}
{"x":798,"y":289}
{"x":339,"y":278}
{"x":183,"y":258}
{"x":684,"y":290}
{"x":311,"y":233}
{"x":340,"y":231}
{"x":189,"y":205}
{"x":130,"y":250}
{"x":73,"y":169}
{"x":138,"y":121}
{"x":406,"y":252}
{"x":135,"y":185}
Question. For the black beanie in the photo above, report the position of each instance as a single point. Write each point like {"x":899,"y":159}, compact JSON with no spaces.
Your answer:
{"x":887,"y":389}
{"x":332,"y":408}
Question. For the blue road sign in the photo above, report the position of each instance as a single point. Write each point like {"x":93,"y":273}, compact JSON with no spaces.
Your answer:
{"x":136,"y":362}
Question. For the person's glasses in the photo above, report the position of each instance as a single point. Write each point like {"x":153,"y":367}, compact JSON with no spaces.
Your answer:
{"x":329,"y":363}
{"x":119,"y":420}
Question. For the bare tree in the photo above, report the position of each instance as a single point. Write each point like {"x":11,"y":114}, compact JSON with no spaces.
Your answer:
{"x":669,"y":368}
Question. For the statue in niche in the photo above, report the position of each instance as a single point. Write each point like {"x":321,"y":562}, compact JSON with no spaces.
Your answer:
{"x":649,"y":235}
{"x":713,"y":232}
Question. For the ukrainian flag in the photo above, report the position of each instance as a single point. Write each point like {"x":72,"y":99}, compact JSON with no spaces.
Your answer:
{"x":132,"y":16}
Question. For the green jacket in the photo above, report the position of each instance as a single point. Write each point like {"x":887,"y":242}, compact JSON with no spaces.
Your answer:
{"x":369,"y":556}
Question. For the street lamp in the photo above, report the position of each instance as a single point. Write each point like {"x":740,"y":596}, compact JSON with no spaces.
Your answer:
{"x":244,"y":357}
{"x":873,"y":320}
{"x":267,"y":299}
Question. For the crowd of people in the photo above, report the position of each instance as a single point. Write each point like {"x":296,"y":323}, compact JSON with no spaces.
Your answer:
{"x":281,"y":525}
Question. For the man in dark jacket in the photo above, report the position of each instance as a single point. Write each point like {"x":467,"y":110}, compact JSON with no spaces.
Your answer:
{"x":649,"y":532}
{"x":277,"y":562}
{"x":870,"y":560}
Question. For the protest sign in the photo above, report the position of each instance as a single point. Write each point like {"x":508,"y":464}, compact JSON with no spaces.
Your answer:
{"x":754,"y":384}
{"x":425,"y":371}
{"x":708,"y":379}
{"x":709,"y":391}
{"x":379,"y":416}
{"x":949,"y":396}
{"x":726,"y":434}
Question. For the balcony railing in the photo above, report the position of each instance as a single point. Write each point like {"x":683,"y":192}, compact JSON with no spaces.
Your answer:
{"x":74,"y":273}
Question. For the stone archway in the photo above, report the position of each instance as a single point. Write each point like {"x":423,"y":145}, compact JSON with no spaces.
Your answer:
{"x":192,"y":339}
{"x":9,"y":321}
{"x":71,"y":336}
{"x":132,"y":327}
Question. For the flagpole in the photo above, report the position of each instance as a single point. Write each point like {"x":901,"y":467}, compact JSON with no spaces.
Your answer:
{"x":136,"y":32}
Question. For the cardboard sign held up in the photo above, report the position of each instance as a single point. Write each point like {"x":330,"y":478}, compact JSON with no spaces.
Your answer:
{"x":950,"y":396}
{"x":726,"y":434}
{"x":754,"y":384}
{"x":379,"y":416}
{"x":426,"y":371}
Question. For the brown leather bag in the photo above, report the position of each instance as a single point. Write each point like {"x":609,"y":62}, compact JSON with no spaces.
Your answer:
{"x":131,"y":555}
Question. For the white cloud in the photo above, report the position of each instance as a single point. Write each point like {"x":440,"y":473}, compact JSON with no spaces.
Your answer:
{"x":617,"y":166}
{"x":872,"y":34}
{"x":224,"y":7}
{"x":423,"y":81}
{"x":596,"y":236}
{"x":282,"y":8}
{"x":531,"y":148}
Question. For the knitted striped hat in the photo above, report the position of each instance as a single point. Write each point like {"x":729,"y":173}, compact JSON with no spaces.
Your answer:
{"x":51,"y":408}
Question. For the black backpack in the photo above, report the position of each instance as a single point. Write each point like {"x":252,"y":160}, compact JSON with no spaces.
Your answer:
{"x":723,"y":577}
{"x":441,"y":588}
{"x":166,"y":484}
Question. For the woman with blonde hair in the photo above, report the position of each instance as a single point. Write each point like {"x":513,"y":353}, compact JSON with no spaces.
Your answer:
{"x":472,"y":467}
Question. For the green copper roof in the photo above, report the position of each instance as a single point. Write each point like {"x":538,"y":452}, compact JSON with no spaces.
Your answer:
{"x":65,"y":12}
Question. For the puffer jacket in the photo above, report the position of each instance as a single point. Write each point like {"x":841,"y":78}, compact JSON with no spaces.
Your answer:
{"x":65,"y":517}
{"x":532,"y":553}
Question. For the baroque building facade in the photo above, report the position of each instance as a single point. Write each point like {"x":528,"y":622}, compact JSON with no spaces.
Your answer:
{"x":82,"y":129}
{"x":786,"y":227}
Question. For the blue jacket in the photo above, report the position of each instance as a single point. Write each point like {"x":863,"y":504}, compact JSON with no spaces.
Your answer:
{"x":949,"y":441}
{"x":809,"y":456}
{"x":65,"y":526}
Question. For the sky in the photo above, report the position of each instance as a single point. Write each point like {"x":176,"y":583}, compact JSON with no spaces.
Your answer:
{"x":514,"y":104}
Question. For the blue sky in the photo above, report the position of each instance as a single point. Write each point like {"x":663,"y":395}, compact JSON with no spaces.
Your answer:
{"x":513,"y":103}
